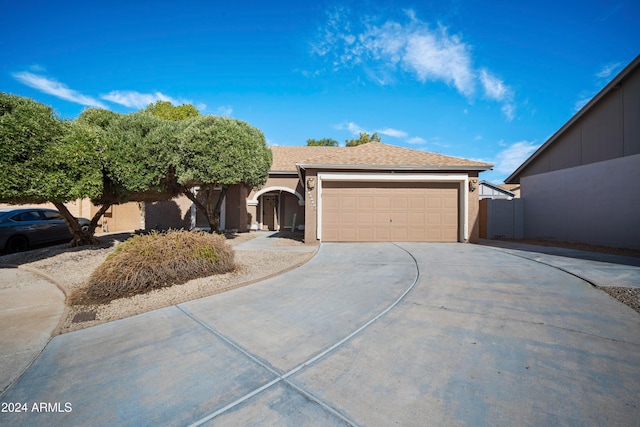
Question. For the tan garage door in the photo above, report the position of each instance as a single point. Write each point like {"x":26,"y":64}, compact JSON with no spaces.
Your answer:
{"x":389,"y":212}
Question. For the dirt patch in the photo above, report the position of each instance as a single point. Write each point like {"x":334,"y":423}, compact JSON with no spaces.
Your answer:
{"x":288,"y":238}
{"x":71,"y":268}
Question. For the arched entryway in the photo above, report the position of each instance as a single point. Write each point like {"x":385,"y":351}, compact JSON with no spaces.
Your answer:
{"x":278,"y":209}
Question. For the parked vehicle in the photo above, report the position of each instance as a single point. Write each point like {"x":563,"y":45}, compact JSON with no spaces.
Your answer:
{"x":22,"y":228}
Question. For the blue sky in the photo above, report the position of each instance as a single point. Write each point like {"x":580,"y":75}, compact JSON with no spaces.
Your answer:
{"x":482,"y":80}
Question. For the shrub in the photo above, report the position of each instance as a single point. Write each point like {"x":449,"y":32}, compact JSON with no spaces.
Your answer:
{"x":157,"y":260}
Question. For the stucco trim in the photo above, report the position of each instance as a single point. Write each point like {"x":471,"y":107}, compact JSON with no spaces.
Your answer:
{"x":462,"y":179}
{"x":254,"y":200}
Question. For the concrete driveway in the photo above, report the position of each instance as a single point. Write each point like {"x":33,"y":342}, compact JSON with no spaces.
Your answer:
{"x":363,"y":334}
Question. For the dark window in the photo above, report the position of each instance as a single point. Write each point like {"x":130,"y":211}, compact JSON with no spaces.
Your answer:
{"x":50,"y":215}
{"x":27,"y":216}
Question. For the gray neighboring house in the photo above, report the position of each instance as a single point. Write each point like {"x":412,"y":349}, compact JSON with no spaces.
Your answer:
{"x":488,"y":190}
{"x":581,"y":185}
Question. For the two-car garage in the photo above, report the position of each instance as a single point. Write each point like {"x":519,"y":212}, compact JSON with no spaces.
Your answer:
{"x":391,"y":208}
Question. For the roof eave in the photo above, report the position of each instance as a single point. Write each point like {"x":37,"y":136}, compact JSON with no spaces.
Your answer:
{"x":284,"y":172}
{"x":392,"y":168}
{"x":613,"y":84}
{"x":497,"y":188}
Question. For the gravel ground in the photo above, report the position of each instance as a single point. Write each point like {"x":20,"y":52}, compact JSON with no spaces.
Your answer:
{"x":627,"y":296}
{"x":70,"y":268}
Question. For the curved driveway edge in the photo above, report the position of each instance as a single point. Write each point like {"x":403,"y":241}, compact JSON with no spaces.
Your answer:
{"x":481,"y":339}
{"x":30,"y":309}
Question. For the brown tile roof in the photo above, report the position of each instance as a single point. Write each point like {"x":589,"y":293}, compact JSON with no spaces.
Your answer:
{"x":373,"y":154}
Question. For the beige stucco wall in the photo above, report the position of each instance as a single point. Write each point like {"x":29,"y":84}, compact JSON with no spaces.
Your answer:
{"x":311,"y":208}
{"x":473,"y":205}
{"x":125,"y":217}
{"x":173,"y":214}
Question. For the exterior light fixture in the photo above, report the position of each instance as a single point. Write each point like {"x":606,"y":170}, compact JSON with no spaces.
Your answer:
{"x":311,"y":183}
{"x":473,"y":184}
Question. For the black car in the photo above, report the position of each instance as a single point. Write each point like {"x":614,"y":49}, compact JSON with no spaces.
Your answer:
{"x":22,"y":228}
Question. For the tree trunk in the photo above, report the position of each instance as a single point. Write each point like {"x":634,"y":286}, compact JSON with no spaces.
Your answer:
{"x":80,"y":238}
{"x":211,"y":211}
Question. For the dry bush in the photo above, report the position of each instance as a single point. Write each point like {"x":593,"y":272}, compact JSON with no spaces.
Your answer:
{"x":157,"y":260}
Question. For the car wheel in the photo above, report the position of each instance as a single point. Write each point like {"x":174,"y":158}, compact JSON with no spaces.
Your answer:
{"x":17,"y":244}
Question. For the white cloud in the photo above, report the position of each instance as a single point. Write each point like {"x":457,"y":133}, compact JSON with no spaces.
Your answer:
{"x":581,"y":103}
{"x":224,"y":110}
{"x":395,"y":133}
{"x":351,"y":127}
{"x":133,"y":99}
{"x":356,"y":130}
{"x":384,"y":50}
{"x":608,"y":70}
{"x":494,"y":88}
{"x":509,"y":159}
{"x":55,"y":88}
{"x":416,"y":140}
{"x":509,"y":110}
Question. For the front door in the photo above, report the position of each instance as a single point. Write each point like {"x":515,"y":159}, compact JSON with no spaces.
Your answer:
{"x":269,"y":212}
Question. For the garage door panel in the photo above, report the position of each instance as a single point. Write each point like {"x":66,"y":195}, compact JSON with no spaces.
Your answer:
{"x":382,"y":234}
{"x":417,"y":202}
{"x":348,"y":201}
{"x":365,"y":218}
{"x":382,"y":202}
{"x":450,"y":220}
{"x":390,"y":211}
{"x":400,"y":202}
{"x":348,"y":218}
{"x":382,"y":218}
{"x":366,"y":202}
{"x":400,"y":219}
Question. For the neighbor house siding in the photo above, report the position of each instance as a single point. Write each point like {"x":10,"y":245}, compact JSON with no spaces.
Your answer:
{"x":631,"y":102}
{"x":610,"y":129}
{"x":596,"y":204}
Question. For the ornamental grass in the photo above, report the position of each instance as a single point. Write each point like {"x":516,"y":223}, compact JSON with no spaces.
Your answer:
{"x":157,"y":260}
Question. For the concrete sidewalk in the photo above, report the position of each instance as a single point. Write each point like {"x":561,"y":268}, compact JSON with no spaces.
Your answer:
{"x":597,"y":268}
{"x":363,"y":334}
{"x":30,"y":309}
{"x":268,"y":241}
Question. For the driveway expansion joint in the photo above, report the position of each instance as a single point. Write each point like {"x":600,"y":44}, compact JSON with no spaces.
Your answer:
{"x":284,"y":376}
{"x":546,"y":264}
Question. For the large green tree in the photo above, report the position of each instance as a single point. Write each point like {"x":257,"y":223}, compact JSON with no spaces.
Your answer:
{"x":136,"y":154}
{"x":167,"y":111}
{"x":363,"y":139}
{"x":218,"y":152}
{"x":45,"y":159}
{"x":324,"y":142}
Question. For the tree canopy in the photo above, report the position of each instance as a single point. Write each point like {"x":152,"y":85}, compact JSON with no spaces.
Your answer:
{"x":241,"y":157}
{"x":42,"y":157}
{"x":45,"y":159}
{"x":324,"y":142}
{"x":363,"y":139}
{"x":167,"y":111}
{"x":138,"y":150}
{"x":114,"y":158}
